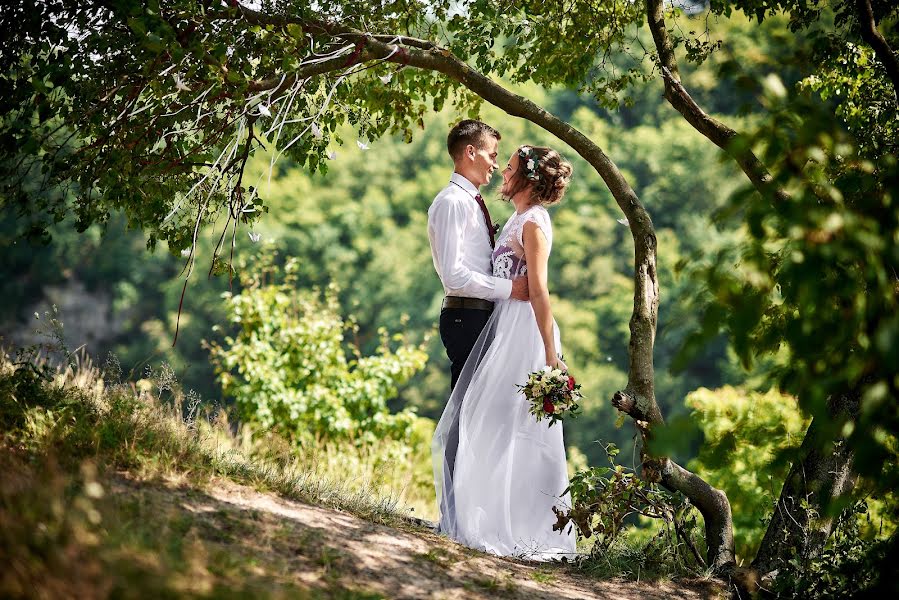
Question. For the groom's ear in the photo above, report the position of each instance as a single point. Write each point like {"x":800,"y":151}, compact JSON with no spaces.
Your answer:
{"x":470,"y":151}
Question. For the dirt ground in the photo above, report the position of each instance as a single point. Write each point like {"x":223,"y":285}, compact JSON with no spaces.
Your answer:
{"x":334,"y":554}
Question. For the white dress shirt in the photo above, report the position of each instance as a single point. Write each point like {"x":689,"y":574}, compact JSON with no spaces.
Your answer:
{"x":460,"y":244}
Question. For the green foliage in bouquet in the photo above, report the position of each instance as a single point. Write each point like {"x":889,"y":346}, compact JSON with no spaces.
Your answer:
{"x":290,"y":368}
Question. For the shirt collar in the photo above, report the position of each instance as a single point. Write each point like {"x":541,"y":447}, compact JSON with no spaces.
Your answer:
{"x":464,"y":184}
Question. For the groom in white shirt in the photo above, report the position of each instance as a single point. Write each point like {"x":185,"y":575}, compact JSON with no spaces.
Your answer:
{"x":462,"y":239}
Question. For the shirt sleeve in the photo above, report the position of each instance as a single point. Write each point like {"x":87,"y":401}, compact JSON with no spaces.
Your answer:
{"x":446,"y":224}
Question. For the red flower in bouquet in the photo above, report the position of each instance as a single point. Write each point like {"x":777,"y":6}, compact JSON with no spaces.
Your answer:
{"x":570,"y":383}
{"x":549,"y":407}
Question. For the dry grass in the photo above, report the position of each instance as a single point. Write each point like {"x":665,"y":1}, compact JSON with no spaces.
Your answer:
{"x":148,"y":429}
{"x":66,"y":432}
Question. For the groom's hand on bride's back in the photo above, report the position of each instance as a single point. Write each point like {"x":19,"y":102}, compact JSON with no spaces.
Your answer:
{"x":520,"y":289}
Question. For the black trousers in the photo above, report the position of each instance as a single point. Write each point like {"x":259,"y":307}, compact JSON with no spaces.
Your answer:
{"x":459,"y":330}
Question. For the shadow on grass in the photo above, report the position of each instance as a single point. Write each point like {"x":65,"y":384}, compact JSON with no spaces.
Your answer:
{"x":89,"y":536}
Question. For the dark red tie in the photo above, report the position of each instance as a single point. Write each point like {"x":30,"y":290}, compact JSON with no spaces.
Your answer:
{"x":487,"y":220}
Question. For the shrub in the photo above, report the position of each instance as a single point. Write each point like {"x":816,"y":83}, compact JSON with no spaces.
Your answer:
{"x":850,"y":565}
{"x":290,"y":368}
{"x":744,"y":433}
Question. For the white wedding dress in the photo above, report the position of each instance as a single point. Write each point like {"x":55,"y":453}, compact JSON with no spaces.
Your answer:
{"x":497,"y":471}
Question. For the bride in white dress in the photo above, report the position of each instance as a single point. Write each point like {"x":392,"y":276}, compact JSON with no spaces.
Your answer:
{"x":497,"y":471}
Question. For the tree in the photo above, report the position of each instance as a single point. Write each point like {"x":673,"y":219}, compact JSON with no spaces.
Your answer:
{"x":840,"y":190}
{"x":146,"y":100}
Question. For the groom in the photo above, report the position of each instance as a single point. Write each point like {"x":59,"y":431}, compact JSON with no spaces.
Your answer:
{"x":462,"y":240}
{"x":461,"y":235}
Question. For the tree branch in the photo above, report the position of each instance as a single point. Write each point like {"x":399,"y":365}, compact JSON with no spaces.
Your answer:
{"x":638,"y":407}
{"x":711,"y":502}
{"x":428,"y":56}
{"x":717,"y":132}
{"x":714,"y":507}
{"x":881,"y":48}
{"x":277,"y":85}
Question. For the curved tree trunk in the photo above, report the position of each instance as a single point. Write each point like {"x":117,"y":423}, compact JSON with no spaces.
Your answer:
{"x":817,"y":478}
{"x":424,"y":54}
{"x":878,"y":43}
{"x":711,"y":502}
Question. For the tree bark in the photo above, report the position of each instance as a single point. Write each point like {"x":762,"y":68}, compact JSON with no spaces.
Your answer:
{"x":712,"y":503}
{"x":818,"y":477}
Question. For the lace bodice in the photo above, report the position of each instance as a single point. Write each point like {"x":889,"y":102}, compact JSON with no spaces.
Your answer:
{"x":508,"y":258}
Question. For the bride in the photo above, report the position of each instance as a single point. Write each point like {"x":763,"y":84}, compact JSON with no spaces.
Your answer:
{"x":497,"y":471}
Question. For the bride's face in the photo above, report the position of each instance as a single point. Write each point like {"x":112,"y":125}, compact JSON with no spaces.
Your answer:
{"x":509,"y":174}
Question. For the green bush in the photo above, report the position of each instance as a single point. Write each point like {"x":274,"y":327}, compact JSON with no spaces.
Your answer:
{"x":744,"y":433}
{"x":291,"y":370}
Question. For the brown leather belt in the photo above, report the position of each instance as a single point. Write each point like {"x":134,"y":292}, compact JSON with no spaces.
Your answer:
{"x":460,"y":302}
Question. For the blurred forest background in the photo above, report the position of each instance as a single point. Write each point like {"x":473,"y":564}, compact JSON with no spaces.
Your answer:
{"x":363,"y":228}
{"x":349,"y":248}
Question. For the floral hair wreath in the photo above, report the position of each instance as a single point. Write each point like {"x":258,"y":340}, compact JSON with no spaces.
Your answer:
{"x":528,"y":154}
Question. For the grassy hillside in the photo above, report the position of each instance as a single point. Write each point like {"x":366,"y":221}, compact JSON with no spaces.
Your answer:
{"x":122,"y":490}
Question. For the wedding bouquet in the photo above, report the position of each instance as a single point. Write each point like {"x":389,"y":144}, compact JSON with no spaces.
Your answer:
{"x":551,"y":394}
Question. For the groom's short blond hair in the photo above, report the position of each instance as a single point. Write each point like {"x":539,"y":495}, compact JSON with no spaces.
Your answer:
{"x":468,"y":132}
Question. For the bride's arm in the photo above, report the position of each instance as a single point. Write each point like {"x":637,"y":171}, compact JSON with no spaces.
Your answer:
{"x":536,"y":252}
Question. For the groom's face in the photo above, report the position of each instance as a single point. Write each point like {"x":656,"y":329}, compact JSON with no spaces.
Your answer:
{"x":483,"y":160}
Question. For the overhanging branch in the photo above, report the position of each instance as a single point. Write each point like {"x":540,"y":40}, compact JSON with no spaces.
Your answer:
{"x":426,"y":55}
{"x":714,"y":130}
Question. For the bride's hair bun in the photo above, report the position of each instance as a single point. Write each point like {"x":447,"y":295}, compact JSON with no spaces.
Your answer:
{"x":553,"y":174}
